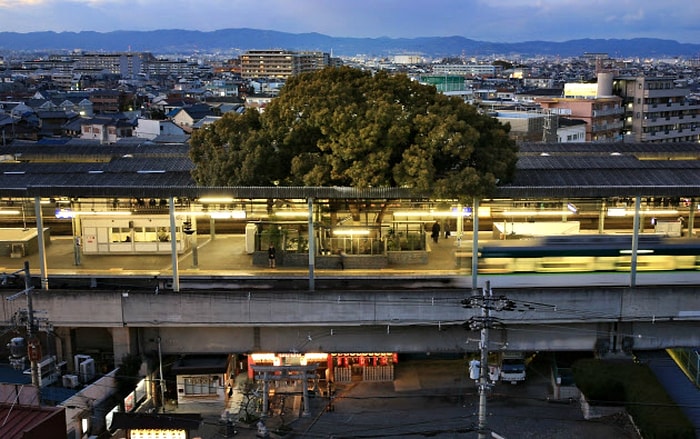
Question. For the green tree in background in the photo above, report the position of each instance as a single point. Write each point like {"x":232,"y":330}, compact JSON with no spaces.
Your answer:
{"x":347,"y":127}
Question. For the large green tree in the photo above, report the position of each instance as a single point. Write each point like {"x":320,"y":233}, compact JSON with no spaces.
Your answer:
{"x":347,"y":127}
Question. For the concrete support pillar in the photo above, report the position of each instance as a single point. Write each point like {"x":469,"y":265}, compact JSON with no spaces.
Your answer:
{"x":691,"y":217}
{"x":41,"y":243}
{"x":305,"y":393}
{"x":173,"y":248}
{"x":121,"y":343}
{"x":475,"y":243}
{"x":312,"y":246}
{"x":460,"y":224}
{"x":64,"y":345}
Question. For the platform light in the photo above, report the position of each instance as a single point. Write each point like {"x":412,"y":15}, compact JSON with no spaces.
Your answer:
{"x":103,"y":213}
{"x":291,"y":214}
{"x":537,"y":212}
{"x":67,"y":213}
{"x":659,"y":212}
{"x":484,"y":212}
{"x":639,"y":252}
{"x":211,"y":200}
{"x":10,"y":212}
{"x":351,"y":232}
{"x":621,"y":211}
{"x":228,"y":214}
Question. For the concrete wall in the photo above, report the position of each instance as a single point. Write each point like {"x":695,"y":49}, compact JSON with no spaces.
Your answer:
{"x":404,"y":320}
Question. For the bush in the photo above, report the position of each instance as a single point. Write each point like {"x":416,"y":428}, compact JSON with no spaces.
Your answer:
{"x":634,"y":385}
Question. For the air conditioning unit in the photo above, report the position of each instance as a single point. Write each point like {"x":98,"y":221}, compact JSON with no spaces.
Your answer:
{"x":70,"y":381}
{"x":87,"y":370}
{"x":77,"y":359}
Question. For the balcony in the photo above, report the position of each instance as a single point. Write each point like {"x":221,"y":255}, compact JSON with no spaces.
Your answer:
{"x":610,"y":126}
{"x":665,"y":93}
{"x":608,"y":112}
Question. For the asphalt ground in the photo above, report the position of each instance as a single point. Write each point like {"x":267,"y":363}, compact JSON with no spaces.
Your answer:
{"x":435,"y":398}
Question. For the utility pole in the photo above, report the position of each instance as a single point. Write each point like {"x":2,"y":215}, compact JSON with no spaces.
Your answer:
{"x":483,"y":323}
{"x":162,"y":380}
{"x":33,"y":345}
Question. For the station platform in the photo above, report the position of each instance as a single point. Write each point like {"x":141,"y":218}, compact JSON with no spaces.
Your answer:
{"x":222,"y":256}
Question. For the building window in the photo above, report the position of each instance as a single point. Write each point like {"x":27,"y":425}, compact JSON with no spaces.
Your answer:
{"x":201,"y":385}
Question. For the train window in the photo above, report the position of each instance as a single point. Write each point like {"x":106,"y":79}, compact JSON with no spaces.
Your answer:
{"x":120,"y":234}
{"x":138,"y":234}
{"x":149,"y":234}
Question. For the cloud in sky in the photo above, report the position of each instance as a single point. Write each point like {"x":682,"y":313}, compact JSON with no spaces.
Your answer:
{"x":488,"y":20}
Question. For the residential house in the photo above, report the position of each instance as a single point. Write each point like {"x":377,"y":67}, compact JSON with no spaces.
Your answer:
{"x":51,"y":122}
{"x":109,"y":101}
{"x":150,"y":129}
{"x":106,"y":129}
{"x":571,"y":130}
{"x":186,"y":117}
{"x":206,"y":120}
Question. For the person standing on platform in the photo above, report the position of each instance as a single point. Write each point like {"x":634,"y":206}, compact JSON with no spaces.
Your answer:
{"x":271,"y":255}
{"x":436,"y":232}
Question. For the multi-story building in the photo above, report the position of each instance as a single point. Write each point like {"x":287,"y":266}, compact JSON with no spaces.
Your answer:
{"x":601,"y":114}
{"x":281,"y":64}
{"x":594,"y":104}
{"x":483,"y":70}
{"x":656,"y":110}
{"x":125,"y":64}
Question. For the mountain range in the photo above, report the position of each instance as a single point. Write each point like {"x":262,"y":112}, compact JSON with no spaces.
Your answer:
{"x":239,"y":40}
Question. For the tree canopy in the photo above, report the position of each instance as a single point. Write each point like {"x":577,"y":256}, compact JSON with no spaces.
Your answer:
{"x":346,"y":127}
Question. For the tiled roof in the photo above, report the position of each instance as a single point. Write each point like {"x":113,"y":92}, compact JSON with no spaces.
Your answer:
{"x":606,"y":169}
{"x":18,"y":419}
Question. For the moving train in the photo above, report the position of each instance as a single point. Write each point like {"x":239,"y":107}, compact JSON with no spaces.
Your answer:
{"x":587,"y":253}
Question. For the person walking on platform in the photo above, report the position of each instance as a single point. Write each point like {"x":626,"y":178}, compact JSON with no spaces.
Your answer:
{"x":271,"y":255}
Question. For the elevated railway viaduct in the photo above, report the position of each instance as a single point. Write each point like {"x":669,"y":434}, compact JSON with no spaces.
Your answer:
{"x":423,"y":313}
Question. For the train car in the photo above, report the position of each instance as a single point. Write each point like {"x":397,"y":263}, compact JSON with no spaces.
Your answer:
{"x":588,"y":253}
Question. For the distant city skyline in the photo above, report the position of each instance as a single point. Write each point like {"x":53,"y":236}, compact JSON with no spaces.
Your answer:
{"x":494,"y":20}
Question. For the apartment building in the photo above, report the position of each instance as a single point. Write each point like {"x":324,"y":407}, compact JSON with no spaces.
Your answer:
{"x":594,"y":104}
{"x":483,"y":70}
{"x":124,"y":64}
{"x":602,"y":115}
{"x":281,"y":64}
{"x":657,"y":111}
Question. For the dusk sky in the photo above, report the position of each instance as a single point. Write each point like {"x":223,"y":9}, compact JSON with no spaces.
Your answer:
{"x":487,"y":20}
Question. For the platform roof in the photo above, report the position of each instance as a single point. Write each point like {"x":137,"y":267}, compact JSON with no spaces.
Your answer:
{"x":78,"y":168}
